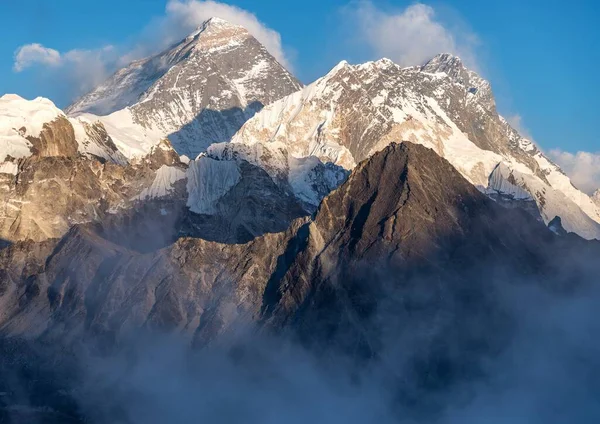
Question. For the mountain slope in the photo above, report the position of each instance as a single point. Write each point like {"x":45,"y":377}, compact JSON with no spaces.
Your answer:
{"x":400,"y":269}
{"x":405,"y":207}
{"x":56,"y":171}
{"x":355,"y":111}
{"x":198,"y":92}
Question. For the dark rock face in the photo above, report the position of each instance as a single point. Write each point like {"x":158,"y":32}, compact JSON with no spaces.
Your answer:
{"x":406,"y":212}
{"x":404,"y":215}
{"x":253,"y":207}
{"x":556,"y":227}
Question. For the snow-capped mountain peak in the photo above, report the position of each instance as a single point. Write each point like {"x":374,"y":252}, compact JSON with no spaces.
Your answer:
{"x":477,"y":87}
{"x":198,"y":92}
{"x":217,"y":33}
{"x":357,"y":110}
{"x":444,"y":62}
{"x":133,"y":83}
{"x":216,"y":24}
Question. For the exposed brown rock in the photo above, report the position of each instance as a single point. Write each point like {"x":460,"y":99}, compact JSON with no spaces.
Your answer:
{"x":56,"y":139}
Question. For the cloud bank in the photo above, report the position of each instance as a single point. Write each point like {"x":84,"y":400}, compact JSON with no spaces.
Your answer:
{"x":582,"y":167}
{"x":83,"y":69}
{"x":412,"y":35}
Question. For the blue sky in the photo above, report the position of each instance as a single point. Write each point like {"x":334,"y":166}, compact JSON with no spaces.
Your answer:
{"x":542,"y":57}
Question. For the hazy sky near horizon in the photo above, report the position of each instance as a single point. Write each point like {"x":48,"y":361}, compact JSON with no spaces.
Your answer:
{"x":541,"y":57}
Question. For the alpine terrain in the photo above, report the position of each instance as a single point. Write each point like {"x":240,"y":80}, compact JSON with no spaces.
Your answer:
{"x":355,"y":111}
{"x":196,"y":93}
{"x":202,"y":238}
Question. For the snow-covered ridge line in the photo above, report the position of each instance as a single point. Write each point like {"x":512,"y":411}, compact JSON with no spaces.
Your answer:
{"x":21,"y":118}
{"x":357,"y":110}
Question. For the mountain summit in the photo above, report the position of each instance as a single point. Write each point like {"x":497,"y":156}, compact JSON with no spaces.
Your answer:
{"x":197,"y":92}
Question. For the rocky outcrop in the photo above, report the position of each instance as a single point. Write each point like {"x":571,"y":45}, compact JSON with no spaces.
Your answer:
{"x":252,"y":206}
{"x":57,"y":138}
{"x":48,"y":195}
{"x":556,"y":227}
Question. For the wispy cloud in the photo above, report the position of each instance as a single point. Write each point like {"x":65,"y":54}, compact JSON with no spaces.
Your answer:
{"x":516,"y":121}
{"x":582,"y":167}
{"x":84,"y":69}
{"x":410,"y":36}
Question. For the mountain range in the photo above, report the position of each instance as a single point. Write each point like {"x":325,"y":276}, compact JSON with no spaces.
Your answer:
{"x":205,"y":190}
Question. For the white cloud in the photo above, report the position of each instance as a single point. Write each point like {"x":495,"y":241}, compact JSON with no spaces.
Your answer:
{"x":410,"y":36}
{"x":32,"y":54}
{"x":582,"y":167}
{"x":83,"y":69}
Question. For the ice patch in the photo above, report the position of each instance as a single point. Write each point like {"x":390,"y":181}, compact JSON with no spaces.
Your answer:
{"x":209,"y":180}
{"x":163,"y":182}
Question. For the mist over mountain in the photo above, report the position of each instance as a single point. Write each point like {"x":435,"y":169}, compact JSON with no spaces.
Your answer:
{"x":201,"y":238}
